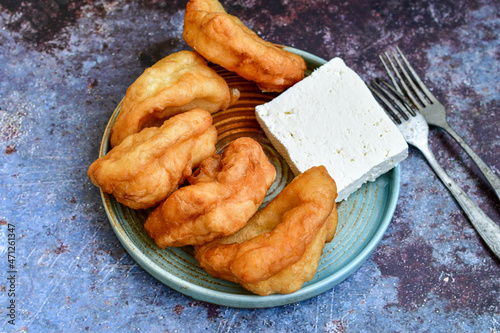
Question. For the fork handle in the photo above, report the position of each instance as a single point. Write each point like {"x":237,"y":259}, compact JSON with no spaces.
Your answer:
{"x":486,"y":227}
{"x":490,"y":176}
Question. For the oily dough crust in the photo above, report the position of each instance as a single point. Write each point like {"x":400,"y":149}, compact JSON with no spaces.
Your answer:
{"x":280,"y":246}
{"x":148,"y":166}
{"x":179,"y":82}
{"x":223,"y":39}
{"x":226,"y":191}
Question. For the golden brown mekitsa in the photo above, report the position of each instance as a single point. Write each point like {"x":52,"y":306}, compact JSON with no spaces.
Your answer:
{"x":226,"y":191}
{"x":280,"y":247}
{"x":179,"y":82}
{"x":223,"y":39}
{"x":148,"y":166}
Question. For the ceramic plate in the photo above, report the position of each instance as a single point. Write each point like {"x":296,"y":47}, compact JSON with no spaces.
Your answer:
{"x":363,"y":217}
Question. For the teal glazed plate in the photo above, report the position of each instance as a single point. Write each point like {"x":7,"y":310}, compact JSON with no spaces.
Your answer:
{"x":363,"y":217}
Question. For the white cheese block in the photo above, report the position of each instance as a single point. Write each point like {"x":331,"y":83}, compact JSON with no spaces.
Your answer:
{"x":331,"y":118}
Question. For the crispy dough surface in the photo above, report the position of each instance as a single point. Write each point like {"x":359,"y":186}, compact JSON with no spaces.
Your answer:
{"x":279,"y":248}
{"x":223,"y":39}
{"x":179,"y":82}
{"x":225,"y":192}
{"x":148,"y":166}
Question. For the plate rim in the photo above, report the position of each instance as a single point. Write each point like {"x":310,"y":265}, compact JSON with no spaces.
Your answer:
{"x":251,"y":301}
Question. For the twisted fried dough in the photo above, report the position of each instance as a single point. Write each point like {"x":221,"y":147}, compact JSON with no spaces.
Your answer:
{"x":279,"y":248}
{"x":223,"y":39}
{"x":148,"y":166}
{"x":179,"y":82}
{"x":225,"y":192}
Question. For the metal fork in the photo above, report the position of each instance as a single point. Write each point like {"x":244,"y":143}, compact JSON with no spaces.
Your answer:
{"x":433,"y":111}
{"x":415,"y":131}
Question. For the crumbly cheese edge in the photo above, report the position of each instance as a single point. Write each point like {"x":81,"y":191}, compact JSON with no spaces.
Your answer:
{"x":399,"y":153}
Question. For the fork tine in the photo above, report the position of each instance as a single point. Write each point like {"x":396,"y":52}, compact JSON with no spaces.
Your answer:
{"x":395,"y":97}
{"x":404,"y":101}
{"x":389,"y":72}
{"x":389,"y":109}
{"x":416,"y":77}
{"x":400,"y":78}
{"x":391,"y":99}
{"x":410,"y":80}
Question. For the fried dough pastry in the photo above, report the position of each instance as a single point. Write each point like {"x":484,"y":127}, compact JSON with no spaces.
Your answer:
{"x":148,"y":166}
{"x":226,"y":191}
{"x":223,"y":39}
{"x":178,"y":83}
{"x":280,"y":247}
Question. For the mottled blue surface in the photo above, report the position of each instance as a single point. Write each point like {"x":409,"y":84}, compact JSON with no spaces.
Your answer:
{"x":61,"y":76}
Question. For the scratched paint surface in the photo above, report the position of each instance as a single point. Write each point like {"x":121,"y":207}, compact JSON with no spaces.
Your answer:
{"x":61,"y":77}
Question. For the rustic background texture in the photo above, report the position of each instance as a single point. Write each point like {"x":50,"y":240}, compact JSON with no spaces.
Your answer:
{"x":64,"y":66}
